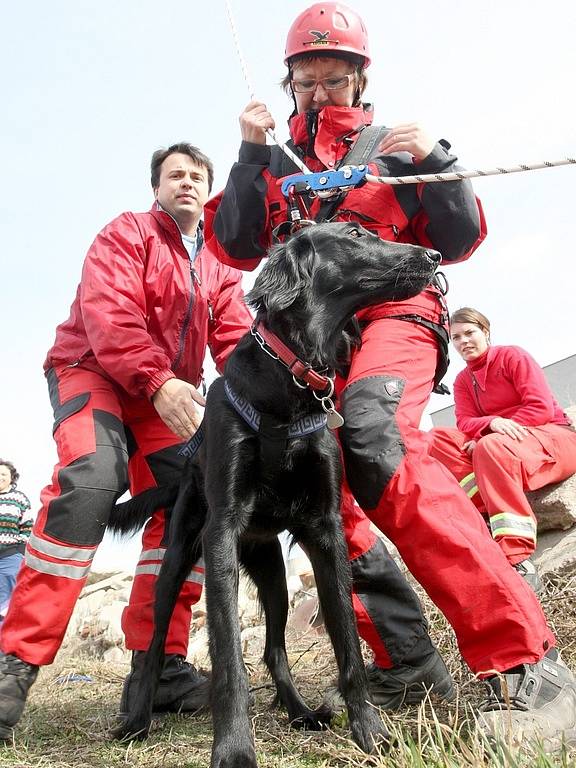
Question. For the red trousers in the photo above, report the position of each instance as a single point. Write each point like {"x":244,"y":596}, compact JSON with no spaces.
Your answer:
{"x":107,"y":442}
{"x":500,"y":469}
{"x":419,"y":505}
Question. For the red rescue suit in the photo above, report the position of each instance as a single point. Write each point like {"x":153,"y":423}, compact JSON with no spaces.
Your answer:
{"x":406,"y":493}
{"x":506,"y":382}
{"x":144,"y":313}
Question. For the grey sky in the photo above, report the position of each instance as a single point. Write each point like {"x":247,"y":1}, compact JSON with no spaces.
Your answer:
{"x":90,"y":89}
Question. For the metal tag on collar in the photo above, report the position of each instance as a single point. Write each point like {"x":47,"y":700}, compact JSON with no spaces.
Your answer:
{"x":333,"y":419}
{"x":328,"y":181}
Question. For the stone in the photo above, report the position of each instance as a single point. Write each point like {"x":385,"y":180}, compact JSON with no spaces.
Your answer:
{"x":555,"y":505}
{"x":556,"y":553}
{"x":116,"y":655}
{"x":198,"y":650}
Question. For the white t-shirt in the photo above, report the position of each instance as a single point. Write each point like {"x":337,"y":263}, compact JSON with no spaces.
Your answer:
{"x":191,"y":245}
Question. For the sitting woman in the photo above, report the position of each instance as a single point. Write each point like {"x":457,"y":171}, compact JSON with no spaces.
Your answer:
{"x":512,"y":436}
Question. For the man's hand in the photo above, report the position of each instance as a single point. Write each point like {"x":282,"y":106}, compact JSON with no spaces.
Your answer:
{"x":177,"y":404}
{"x":255,"y":121}
{"x":469,"y":446}
{"x":508,"y":427}
{"x":407,"y":137}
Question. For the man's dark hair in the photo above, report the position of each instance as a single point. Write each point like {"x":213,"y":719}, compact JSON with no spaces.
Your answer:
{"x":183,"y":148}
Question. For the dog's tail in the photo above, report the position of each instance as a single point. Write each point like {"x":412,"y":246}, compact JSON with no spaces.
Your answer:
{"x":130,"y":516}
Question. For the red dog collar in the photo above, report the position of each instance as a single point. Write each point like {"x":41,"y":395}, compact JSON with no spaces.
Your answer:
{"x":299,"y":369}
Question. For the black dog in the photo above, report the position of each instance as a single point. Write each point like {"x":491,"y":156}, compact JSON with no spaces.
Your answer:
{"x":265,"y":463}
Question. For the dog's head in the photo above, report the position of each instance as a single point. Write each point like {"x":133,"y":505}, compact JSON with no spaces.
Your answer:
{"x":325,"y":273}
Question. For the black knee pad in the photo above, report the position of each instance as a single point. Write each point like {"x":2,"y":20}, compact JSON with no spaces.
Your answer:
{"x":371,"y":440}
{"x":390,"y":603}
{"x":90,"y":486}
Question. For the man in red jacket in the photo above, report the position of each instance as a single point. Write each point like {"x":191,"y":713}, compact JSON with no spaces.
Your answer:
{"x":124,"y":376}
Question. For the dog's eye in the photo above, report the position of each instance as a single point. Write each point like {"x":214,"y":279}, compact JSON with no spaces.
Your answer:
{"x":354,"y":232}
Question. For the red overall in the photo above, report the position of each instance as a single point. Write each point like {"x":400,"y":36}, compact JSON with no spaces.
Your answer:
{"x":410,"y":496}
{"x":143,"y":314}
{"x":506,"y":381}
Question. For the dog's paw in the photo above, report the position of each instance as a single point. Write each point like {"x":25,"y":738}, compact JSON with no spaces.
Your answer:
{"x":239,"y":757}
{"x":369,"y":733}
{"x":312,"y":719}
{"x":131,"y":728}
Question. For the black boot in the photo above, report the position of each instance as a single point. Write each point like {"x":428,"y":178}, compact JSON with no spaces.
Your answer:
{"x":410,"y":683}
{"x":181,"y":687}
{"x":407,"y":683}
{"x":16,"y":677}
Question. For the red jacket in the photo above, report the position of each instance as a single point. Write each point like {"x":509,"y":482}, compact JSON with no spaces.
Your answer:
{"x":506,"y":382}
{"x":143,"y":314}
{"x":445,"y":216}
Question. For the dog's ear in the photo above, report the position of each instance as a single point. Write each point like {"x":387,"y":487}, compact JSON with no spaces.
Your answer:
{"x":285,"y":276}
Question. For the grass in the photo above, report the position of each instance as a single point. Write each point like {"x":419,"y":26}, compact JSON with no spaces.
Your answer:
{"x":67,"y":725}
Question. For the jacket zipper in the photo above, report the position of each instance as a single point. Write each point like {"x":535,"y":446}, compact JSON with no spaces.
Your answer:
{"x":475,"y":388}
{"x":181,"y":340}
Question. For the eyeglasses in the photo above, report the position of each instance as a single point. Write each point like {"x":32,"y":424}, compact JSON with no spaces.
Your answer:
{"x":328,"y":83}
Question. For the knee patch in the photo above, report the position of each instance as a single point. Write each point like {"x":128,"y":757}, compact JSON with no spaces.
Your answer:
{"x":90,"y":485}
{"x":371,"y":440}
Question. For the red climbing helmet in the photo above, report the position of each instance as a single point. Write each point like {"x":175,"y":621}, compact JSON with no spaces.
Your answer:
{"x":328,"y":27}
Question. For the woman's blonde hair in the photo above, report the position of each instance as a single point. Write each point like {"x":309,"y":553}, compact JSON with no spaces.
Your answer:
{"x":469,"y":315}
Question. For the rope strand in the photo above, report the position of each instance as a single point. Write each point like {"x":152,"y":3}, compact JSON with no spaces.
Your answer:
{"x":295,"y":159}
{"x":392,"y":180}
{"x":461,"y":175}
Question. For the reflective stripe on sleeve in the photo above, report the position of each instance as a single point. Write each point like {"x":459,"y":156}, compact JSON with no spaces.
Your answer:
{"x":509,"y":524}
{"x":468,"y":484}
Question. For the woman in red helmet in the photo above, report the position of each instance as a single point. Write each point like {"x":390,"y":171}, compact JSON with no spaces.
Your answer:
{"x":408,"y":495}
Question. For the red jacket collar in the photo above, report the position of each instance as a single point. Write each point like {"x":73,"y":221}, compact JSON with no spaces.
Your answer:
{"x":334,"y":123}
{"x":479,"y":367}
{"x":168,"y":223}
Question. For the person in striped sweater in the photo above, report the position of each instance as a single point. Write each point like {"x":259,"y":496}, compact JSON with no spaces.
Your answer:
{"x":15,"y":526}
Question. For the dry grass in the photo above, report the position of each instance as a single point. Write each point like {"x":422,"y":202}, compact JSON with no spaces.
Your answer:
{"x":68,"y":725}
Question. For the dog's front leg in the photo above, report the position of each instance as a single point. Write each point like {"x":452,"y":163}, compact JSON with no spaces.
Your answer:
{"x":329,"y":560}
{"x":233,"y":745}
{"x":265,"y":565}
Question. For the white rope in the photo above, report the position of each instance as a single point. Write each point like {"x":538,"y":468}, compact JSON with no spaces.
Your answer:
{"x":460,"y":175}
{"x":295,"y":159}
{"x":392,"y":180}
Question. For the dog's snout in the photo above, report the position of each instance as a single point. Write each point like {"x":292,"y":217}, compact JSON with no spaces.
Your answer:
{"x":433,"y":256}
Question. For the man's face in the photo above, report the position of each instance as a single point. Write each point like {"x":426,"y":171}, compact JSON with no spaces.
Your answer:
{"x":316,"y":74}
{"x":182,"y":190}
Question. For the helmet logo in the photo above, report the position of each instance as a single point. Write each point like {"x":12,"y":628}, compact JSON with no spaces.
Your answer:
{"x":320,"y":38}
